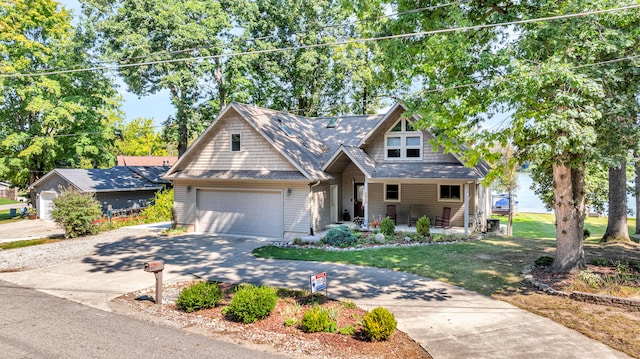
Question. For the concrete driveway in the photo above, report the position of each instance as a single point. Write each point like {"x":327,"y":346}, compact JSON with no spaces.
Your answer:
{"x":24,"y":229}
{"x":448,"y":321}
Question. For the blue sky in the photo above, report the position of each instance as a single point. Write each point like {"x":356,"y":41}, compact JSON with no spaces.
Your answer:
{"x":157,"y":106}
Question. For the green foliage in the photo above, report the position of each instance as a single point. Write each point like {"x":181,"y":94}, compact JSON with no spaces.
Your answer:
{"x":162,"y":208}
{"x":387,"y":227}
{"x":544,"y":261}
{"x":201,"y":295}
{"x":316,"y":320}
{"x":75,"y":212}
{"x":349,"y":304}
{"x":347,"y":330}
{"x":139,"y":138}
{"x":339,"y":236}
{"x":251,"y":303}
{"x":56,"y":120}
{"x":586,"y":233}
{"x":423,"y":225}
{"x":379,"y":324}
{"x":290,"y":322}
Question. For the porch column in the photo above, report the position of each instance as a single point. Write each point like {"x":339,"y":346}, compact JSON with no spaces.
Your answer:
{"x":466,"y":208}
{"x":365,"y":204}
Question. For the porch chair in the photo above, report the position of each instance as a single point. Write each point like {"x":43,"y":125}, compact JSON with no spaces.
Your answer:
{"x":391,"y":212}
{"x":444,"y":220}
{"x":413,"y":215}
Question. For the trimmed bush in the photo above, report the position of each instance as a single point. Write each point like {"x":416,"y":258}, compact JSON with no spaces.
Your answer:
{"x":251,"y":303}
{"x":160,"y":210}
{"x":75,"y":212}
{"x":387,"y":227}
{"x":339,"y":236}
{"x":423,"y":225}
{"x":379,"y":324}
{"x":316,"y":320}
{"x":201,"y":295}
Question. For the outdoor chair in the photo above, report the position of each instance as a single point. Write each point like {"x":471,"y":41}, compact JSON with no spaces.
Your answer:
{"x":444,"y":220}
{"x":413,"y":215}
{"x":391,"y":212}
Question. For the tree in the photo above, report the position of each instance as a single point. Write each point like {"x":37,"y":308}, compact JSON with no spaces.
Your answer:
{"x":306,"y":79}
{"x":134,"y":31}
{"x":50,"y":120}
{"x":539,"y":71}
{"x":139,"y":138}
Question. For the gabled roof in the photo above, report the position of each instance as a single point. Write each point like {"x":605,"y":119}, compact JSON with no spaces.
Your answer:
{"x":313,"y":145}
{"x":114,"y":179}
{"x":146,"y":160}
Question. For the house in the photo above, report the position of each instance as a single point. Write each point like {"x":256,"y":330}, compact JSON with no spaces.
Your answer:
{"x":6,"y":191}
{"x":146,"y":161}
{"x":120,"y":188}
{"x":256,"y":171}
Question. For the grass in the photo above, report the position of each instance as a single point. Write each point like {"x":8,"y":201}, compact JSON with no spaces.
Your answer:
{"x":493,"y":266}
{"x":6,"y":218}
{"x":7,"y":201}
{"x":27,"y":243}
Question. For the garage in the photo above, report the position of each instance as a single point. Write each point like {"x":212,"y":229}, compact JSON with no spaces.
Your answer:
{"x":45,"y":204}
{"x":241,"y":212}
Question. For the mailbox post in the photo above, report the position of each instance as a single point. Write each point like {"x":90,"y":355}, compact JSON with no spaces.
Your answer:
{"x":156,"y":268}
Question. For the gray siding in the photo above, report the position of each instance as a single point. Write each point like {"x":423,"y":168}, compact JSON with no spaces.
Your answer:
{"x":422,"y":195}
{"x":54,"y":183}
{"x":375,"y":149}
{"x":125,"y":199}
{"x":320,"y":206}
{"x":350,"y":175}
{"x":256,"y":153}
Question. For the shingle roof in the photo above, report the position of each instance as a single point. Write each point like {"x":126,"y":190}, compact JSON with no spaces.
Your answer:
{"x":427,"y":170}
{"x":152,"y":173}
{"x":146,"y":160}
{"x":241,"y":174}
{"x":104,"y":180}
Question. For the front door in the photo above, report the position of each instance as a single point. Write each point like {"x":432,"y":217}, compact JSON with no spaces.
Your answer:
{"x":358,"y":203}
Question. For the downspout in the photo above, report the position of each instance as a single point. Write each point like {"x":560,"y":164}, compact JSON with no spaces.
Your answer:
{"x":311,"y":186}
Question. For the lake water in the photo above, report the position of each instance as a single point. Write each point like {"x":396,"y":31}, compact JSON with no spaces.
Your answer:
{"x":528,"y":201}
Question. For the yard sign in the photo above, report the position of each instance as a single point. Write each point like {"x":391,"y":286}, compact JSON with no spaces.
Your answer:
{"x":318,"y":282}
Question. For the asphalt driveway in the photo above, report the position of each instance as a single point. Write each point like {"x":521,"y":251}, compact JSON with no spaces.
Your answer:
{"x":448,"y":321}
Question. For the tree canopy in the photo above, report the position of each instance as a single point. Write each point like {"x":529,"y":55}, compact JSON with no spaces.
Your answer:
{"x":50,"y":120}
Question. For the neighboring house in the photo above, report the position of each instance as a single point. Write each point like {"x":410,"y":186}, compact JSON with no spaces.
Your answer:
{"x":6,"y":191}
{"x":146,"y":160}
{"x":261,"y":172}
{"x":117,"y":188}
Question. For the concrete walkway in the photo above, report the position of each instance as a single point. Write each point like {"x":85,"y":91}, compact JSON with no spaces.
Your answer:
{"x":26,"y":229}
{"x":448,"y":321}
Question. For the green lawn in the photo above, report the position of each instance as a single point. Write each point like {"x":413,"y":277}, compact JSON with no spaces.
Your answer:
{"x":486,"y":266}
{"x":7,"y":201}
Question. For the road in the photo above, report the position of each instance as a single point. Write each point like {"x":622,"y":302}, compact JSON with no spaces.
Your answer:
{"x":37,"y":325}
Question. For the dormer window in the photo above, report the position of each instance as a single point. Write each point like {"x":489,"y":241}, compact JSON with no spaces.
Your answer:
{"x":403,"y":142}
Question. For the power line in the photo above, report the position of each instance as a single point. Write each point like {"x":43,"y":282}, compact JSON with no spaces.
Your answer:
{"x":329,"y":44}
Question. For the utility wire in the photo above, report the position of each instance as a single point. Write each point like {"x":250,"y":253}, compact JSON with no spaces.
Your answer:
{"x":329,"y":44}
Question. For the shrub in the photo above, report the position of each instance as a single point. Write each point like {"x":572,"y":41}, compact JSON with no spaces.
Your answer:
{"x":201,"y":295}
{"x":75,"y":212}
{"x":160,"y":210}
{"x":316,"y":320}
{"x":423,"y":225}
{"x":387,"y":227}
{"x":544,"y":261}
{"x":379,"y":324}
{"x":348,"y":330}
{"x":340,"y":237}
{"x":586,"y":233}
{"x":251,"y":303}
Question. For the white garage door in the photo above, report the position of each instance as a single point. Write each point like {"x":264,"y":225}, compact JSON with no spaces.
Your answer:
{"x":243,"y":212}
{"x":45,"y":204}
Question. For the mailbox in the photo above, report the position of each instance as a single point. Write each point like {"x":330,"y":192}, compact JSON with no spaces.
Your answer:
{"x":154,"y":266}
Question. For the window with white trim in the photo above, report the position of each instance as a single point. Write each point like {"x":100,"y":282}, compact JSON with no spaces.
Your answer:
{"x":235,"y":142}
{"x":403,"y":142}
{"x":449,"y":193}
{"x":392,"y":192}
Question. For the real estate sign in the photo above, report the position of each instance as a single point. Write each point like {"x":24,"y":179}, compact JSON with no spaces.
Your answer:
{"x":318,"y":282}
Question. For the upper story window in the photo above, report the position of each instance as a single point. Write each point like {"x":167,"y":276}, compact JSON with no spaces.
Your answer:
{"x":235,"y":142}
{"x":403,"y":141}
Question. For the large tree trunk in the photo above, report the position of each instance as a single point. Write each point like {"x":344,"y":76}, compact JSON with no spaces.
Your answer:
{"x":569,"y":196}
{"x":617,"y":229}
{"x":637,"y":196}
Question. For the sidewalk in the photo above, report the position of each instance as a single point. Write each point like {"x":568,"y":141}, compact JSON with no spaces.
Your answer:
{"x":25,"y":229}
{"x":448,"y":321}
